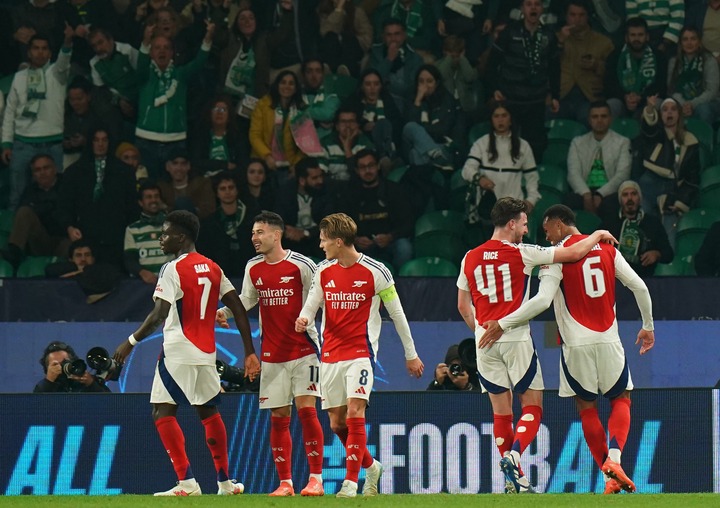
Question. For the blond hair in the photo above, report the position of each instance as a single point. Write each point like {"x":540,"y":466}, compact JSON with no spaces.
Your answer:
{"x":339,"y":225}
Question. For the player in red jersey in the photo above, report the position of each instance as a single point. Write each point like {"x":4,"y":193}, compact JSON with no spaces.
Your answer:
{"x":593,"y":360}
{"x":352,"y":286}
{"x":186,"y":299}
{"x":494,"y":281}
{"x":279,"y":281}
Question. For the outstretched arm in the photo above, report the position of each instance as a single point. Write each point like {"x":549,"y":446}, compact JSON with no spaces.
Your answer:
{"x":577,"y":251}
{"x":252,"y":364}
{"x":152,"y":321}
{"x":626,"y":275}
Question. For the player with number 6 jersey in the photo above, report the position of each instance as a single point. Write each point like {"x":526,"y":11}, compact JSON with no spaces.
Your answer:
{"x":278,"y":280}
{"x":352,"y":286}
{"x":494,"y":281}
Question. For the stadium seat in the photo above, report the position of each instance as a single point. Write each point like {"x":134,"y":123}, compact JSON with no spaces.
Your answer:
{"x":429,"y":267}
{"x":458,"y":192}
{"x":440,"y":244}
{"x":710,"y":188}
{"x":628,"y":127}
{"x":702,"y":130}
{"x":691,"y":230}
{"x":553,"y":177}
{"x":6,"y":270}
{"x":6,"y":221}
{"x":680,"y":266}
{"x":477,"y":131}
{"x":34,"y":266}
{"x":396,"y":174}
{"x":556,"y":154}
{"x":587,"y":222}
{"x":564,"y":130}
{"x":343,"y":86}
{"x":450,"y":221}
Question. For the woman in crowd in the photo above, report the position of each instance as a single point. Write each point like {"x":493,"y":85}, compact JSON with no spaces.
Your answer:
{"x":237,"y":70}
{"x":270,"y":136}
{"x":216,"y":144}
{"x":346,"y":35}
{"x":435,"y":130}
{"x":255,"y":188}
{"x":693,"y":78}
{"x":498,"y":165}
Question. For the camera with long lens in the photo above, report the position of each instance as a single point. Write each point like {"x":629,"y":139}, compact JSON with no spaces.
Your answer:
{"x":75,"y":367}
{"x":230,"y":373}
{"x":456,"y":369}
{"x":467,"y":351}
{"x":103,"y":364}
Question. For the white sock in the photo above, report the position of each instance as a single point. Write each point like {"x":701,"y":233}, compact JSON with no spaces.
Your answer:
{"x":318,"y":477}
{"x":287,"y":481}
{"x":351,"y":483}
{"x":188,"y":482}
{"x":614,"y":454}
{"x":515,"y":456}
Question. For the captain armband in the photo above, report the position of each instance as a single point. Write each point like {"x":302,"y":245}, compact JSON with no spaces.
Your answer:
{"x":388,"y":295}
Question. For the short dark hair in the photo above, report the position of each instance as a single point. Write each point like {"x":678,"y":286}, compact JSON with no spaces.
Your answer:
{"x":39,"y":37}
{"x":583,"y":4}
{"x":54,"y":346}
{"x":364,"y":153}
{"x":309,"y":60}
{"x":271,"y":219}
{"x":82,"y":83}
{"x":147,"y":184}
{"x":636,"y":22}
{"x":506,"y":209}
{"x":393,"y":21}
{"x":41,"y":156}
{"x":221,"y":177}
{"x":344,"y":109}
{"x":599,"y":104}
{"x":561,"y":212}
{"x":188,"y":222}
{"x":100,"y":31}
{"x":304,"y":166}
{"x":78,"y":244}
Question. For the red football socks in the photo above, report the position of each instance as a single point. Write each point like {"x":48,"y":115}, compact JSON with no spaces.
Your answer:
{"x":503,"y":430}
{"x":355,"y":447}
{"x":619,"y":422}
{"x":216,"y":439}
{"x":173,"y":440}
{"x":527,"y":427}
{"x":313,"y":438}
{"x":594,"y":434}
{"x":281,"y":444}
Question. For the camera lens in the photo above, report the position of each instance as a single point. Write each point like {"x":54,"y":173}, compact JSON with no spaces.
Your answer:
{"x":99,"y":359}
{"x":230,"y":373}
{"x":75,"y":367}
{"x":456,"y":369}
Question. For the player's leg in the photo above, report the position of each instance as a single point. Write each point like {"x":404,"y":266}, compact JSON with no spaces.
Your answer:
{"x":306,"y":390}
{"x":276,"y":395}
{"x":216,"y":441}
{"x":173,"y":441}
{"x":494,"y":379}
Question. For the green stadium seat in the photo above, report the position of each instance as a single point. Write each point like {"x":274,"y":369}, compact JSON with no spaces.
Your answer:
{"x":628,"y":127}
{"x":429,"y":267}
{"x":710,"y":188}
{"x":6,"y":270}
{"x":6,"y":221}
{"x":553,"y":177}
{"x":556,"y":154}
{"x":458,"y":192}
{"x":396,"y":174}
{"x":564,"y":129}
{"x":691,"y":230}
{"x":587,"y":222}
{"x":343,"y":86}
{"x":477,"y":131}
{"x":34,"y":266}
{"x":440,"y":244}
{"x":703,"y":132}
{"x":441,"y":220}
{"x":680,"y":266}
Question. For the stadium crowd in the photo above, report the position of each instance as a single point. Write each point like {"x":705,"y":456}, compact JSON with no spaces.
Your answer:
{"x":411,"y":116}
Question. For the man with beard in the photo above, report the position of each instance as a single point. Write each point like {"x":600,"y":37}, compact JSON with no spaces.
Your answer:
{"x":643,"y":240}
{"x":634,"y":72}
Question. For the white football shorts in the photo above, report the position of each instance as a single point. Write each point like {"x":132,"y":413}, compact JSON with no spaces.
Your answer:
{"x":344,"y":380}
{"x":587,"y":371}
{"x":177,"y":383}
{"x":281,"y":382}
{"x":509,"y":365}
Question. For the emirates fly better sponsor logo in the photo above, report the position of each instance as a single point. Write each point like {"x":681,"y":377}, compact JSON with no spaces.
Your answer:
{"x":343,"y":300}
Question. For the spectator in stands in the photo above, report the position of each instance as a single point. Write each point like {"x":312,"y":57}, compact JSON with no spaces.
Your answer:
{"x":500,"y":164}
{"x":286,"y":48}
{"x":379,"y":118}
{"x":270,"y":136}
{"x":186,"y":190}
{"x":550,"y":16}
{"x":642,"y":239}
{"x":98,"y":199}
{"x":420,"y":19}
{"x":704,"y":16}
{"x":451,"y":375}
{"x":321,"y":103}
{"x":33,"y":118}
{"x":36,"y":230}
{"x":141,"y":12}
{"x":396,"y":61}
{"x":435,"y":130}
{"x":255,"y":187}
{"x":215,"y":143}
{"x":340,"y":147}
{"x":381,"y":210}
{"x":45,"y":19}
{"x":665,"y":19}
{"x":693,"y":78}
{"x":113,"y":66}
{"x":56,"y":381}
{"x":302,"y":203}
{"x":185,"y":38}
{"x":225,"y":234}
{"x":707,"y":259}
{"x":468,"y":19}
{"x":162,"y":114}
{"x":671,"y":163}
{"x":459,"y":76}
{"x":80,"y":119}
{"x":634,"y":72}
{"x":524,"y":72}
{"x":346,"y":35}
{"x":142,"y":252}
{"x":238,"y":73}
{"x":598,"y":162}
{"x":582,"y":62}
{"x":130,"y":155}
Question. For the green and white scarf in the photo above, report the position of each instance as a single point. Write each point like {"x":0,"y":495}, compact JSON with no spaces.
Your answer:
{"x":690,"y":82}
{"x":634,"y":76}
{"x":99,"y":178}
{"x":533,"y":46}
{"x":167,"y":84}
{"x":36,"y":91}
{"x":413,"y":17}
{"x":374,"y":112}
{"x":278,"y":140}
{"x":231,"y":223}
{"x":241,"y":75}
{"x":219,"y":148}
{"x":631,"y":239}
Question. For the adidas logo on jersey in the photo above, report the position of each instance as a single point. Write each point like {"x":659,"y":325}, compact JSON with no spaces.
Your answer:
{"x":311,"y":388}
{"x":313,"y":454}
{"x":259,"y":282}
{"x":330,"y":284}
{"x":285,"y":280}
{"x":361,"y":391}
{"x":359,"y":283}
{"x":279,"y":459}
{"x":352,"y":456}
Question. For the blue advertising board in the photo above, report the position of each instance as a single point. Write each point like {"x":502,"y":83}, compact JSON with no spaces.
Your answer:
{"x":428,"y":442}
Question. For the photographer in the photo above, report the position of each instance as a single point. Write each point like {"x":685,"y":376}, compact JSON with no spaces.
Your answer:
{"x":453,"y":375}
{"x":64,"y":372}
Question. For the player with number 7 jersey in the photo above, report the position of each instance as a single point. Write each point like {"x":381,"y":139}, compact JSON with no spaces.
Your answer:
{"x":494,"y":281}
